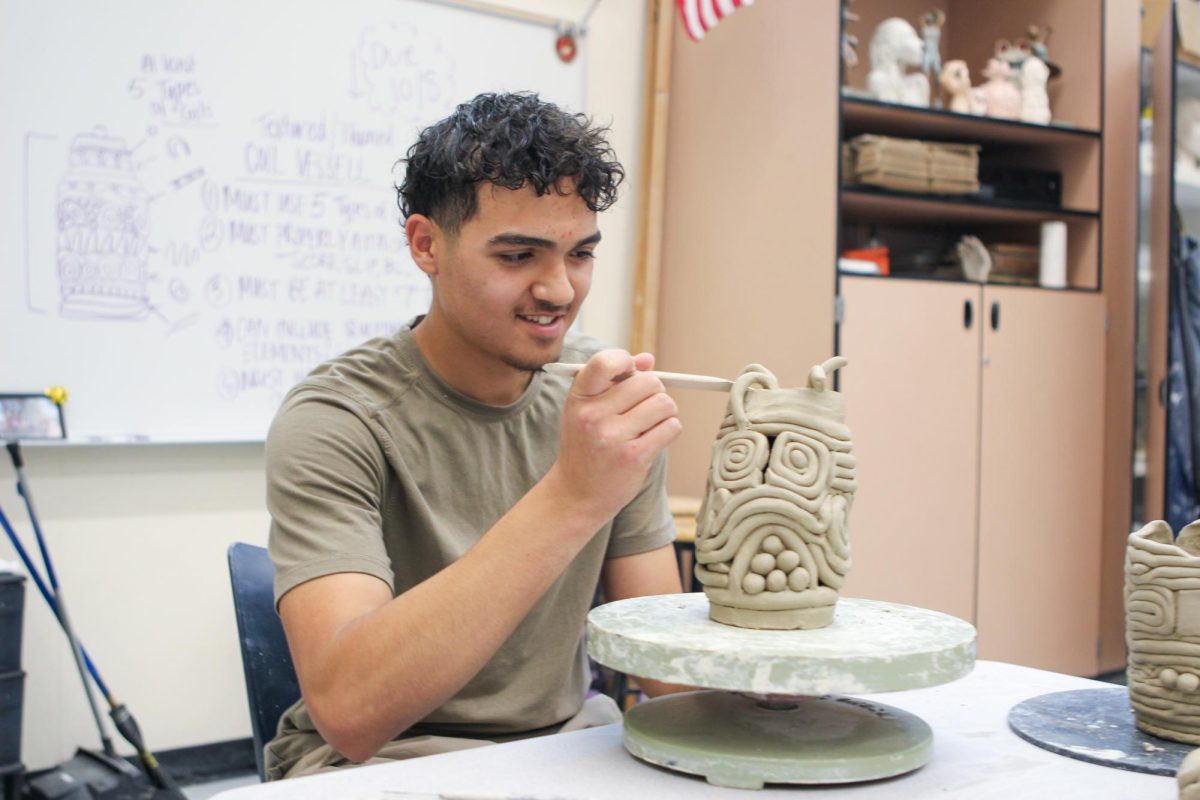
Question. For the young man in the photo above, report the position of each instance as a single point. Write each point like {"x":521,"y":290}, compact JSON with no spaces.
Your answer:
{"x":441,"y":508}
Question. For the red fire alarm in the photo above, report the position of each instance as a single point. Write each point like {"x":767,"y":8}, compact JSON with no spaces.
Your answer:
{"x":566,"y":48}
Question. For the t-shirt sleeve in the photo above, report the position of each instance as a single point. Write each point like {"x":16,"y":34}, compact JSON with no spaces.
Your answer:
{"x":645,"y":523}
{"x":325,"y":483}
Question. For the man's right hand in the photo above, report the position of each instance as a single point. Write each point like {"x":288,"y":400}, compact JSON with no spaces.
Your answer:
{"x":616,"y":421}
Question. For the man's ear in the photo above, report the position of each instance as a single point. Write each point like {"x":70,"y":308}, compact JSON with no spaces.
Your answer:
{"x":424,"y":241}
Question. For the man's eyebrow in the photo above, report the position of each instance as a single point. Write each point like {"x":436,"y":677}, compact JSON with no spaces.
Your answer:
{"x":521,"y":240}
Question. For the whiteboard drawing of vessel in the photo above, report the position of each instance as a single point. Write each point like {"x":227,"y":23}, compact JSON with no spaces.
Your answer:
{"x":103,"y":232}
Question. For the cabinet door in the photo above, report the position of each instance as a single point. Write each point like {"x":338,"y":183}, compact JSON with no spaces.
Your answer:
{"x":1041,"y":459}
{"x":912,"y":395}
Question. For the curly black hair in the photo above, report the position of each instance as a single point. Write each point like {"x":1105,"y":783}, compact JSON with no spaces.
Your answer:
{"x":510,"y":140}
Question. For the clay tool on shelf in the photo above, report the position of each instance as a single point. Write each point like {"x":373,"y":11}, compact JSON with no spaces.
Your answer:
{"x":678,"y":380}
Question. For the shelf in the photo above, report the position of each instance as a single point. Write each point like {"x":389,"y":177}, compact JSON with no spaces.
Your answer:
{"x":890,"y":119}
{"x":871,"y":205}
{"x":916,"y":276}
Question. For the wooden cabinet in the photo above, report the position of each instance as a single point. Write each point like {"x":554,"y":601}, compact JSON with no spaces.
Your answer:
{"x":978,"y":421}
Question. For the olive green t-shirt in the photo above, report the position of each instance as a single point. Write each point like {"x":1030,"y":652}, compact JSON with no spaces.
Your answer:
{"x":376,"y":465}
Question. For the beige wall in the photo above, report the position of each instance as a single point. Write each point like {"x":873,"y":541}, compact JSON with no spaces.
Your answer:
{"x":139,"y":532}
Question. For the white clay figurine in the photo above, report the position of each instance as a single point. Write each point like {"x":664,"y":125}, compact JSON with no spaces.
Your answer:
{"x":956,"y":82}
{"x":895,"y":47}
{"x":1001,"y":97}
{"x":975,"y":259}
{"x":1035,"y":104}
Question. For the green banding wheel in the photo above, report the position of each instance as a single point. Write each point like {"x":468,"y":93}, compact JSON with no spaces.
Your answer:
{"x":732,"y":740}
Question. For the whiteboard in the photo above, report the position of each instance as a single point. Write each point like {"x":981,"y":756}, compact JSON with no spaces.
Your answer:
{"x":200,"y":204}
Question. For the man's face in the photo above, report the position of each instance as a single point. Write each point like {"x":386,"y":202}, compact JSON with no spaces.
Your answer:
{"x":512,"y":281}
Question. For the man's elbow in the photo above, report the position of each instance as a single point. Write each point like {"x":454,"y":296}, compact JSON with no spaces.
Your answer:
{"x":345,"y":728}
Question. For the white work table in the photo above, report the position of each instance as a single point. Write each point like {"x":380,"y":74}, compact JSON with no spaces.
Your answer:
{"x":975,"y":755}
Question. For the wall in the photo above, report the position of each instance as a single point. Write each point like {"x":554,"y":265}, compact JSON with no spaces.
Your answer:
{"x":139,"y":533}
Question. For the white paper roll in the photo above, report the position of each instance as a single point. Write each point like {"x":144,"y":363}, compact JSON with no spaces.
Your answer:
{"x":1052,"y":260}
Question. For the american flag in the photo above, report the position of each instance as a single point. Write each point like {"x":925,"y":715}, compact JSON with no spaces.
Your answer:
{"x":701,"y":16}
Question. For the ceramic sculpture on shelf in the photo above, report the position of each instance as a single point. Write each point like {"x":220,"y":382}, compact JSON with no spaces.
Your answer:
{"x":1035,"y":103}
{"x":1013,"y":53}
{"x":895,"y":47}
{"x":974,"y":258}
{"x":1039,"y":35}
{"x":956,"y":82}
{"x":771,"y":539}
{"x":1162,"y":630}
{"x":1001,"y":98}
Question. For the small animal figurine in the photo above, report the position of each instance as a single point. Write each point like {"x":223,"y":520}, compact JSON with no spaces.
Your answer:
{"x":1013,"y":53}
{"x":1035,"y":103}
{"x":956,"y":82}
{"x":1038,"y":36}
{"x":895,"y":47}
{"x":1002,"y":98}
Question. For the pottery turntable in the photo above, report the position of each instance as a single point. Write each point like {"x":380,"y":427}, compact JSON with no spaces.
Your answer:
{"x":768,"y":644}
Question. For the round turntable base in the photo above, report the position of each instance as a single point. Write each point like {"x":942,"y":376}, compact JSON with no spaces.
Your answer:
{"x":770,"y":720}
{"x":733,"y":740}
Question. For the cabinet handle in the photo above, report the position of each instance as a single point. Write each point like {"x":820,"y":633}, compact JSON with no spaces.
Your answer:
{"x":968,"y":314}
{"x":996,"y":316}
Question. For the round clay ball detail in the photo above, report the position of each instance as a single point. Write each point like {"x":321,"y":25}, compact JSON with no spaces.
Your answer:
{"x":1168,"y":677}
{"x":762,"y":563}
{"x":788,"y":560}
{"x":1187,"y":681}
{"x":772,"y":544}
{"x":777,"y":581}
{"x":798,"y":579}
{"x":753,"y":583}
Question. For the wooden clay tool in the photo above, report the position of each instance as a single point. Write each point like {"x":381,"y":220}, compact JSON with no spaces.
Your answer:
{"x":676,"y":380}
